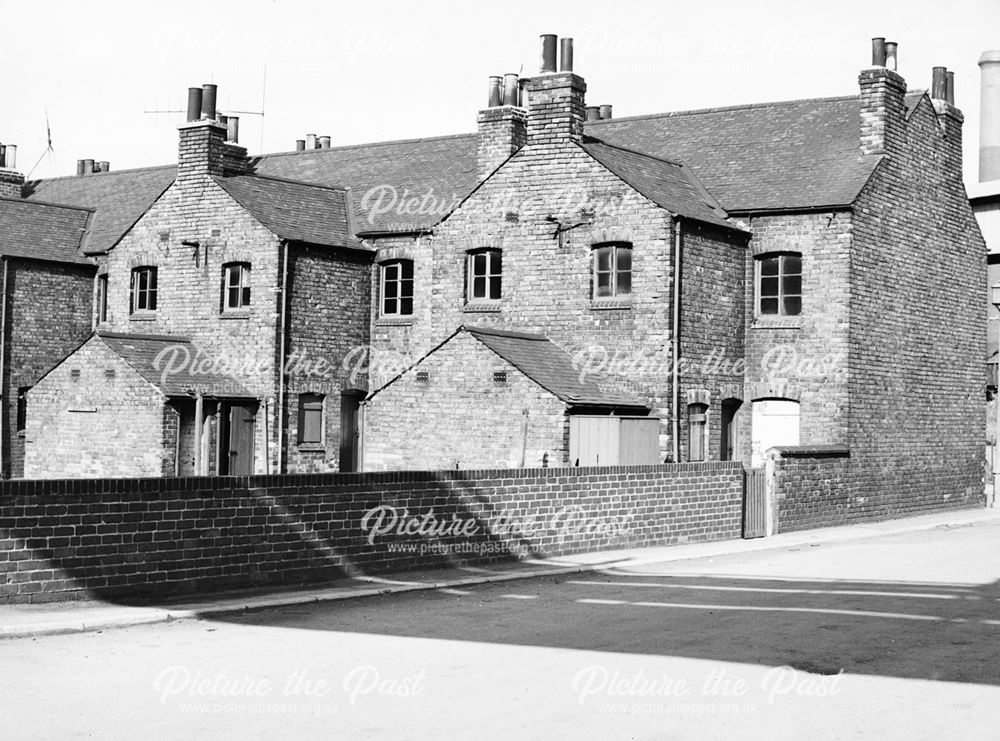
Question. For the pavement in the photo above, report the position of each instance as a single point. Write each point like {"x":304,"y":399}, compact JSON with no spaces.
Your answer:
{"x":83,"y":616}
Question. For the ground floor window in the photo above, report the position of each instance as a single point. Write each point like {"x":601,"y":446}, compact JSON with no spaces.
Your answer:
{"x":310,"y":419}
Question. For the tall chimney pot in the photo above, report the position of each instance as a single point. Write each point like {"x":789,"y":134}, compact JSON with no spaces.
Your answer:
{"x":989,"y":116}
{"x":949,"y":87}
{"x":593,"y":113}
{"x":194,"y":104}
{"x":233,"y":129}
{"x":300,"y":145}
{"x":939,"y":83}
{"x":606,"y":112}
{"x":310,"y":141}
{"x":324,"y":142}
{"x":208,"y":94}
{"x":495,"y":94}
{"x":878,"y":51}
{"x":10,"y":156}
{"x":522,"y":96}
{"x":88,"y":167}
{"x":565,"y":55}
{"x":891,"y":51}
{"x":548,"y":60}
{"x":79,"y":167}
{"x":510,"y":95}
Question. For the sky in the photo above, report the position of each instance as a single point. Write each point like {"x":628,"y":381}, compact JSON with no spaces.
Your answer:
{"x":362,"y":72}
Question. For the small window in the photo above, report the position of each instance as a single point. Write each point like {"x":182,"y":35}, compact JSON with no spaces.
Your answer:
{"x":310,"y":418}
{"x":697,"y":418}
{"x":236,"y":286}
{"x":779,"y":285}
{"x":102,"y":298}
{"x":397,"y":288}
{"x":143,"y":289}
{"x":485,"y":276}
{"x":22,"y":408}
{"x":612,"y":271}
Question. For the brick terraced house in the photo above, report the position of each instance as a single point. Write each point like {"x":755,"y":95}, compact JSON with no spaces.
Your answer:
{"x":559,"y":287}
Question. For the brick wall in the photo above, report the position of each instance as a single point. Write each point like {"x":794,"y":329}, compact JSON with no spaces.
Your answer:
{"x":328,"y":324}
{"x":461,"y":418}
{"x":67,"y":432}
{"x":49,"y":314}
{"x":812,"y":486}
{"x":127,"y":538}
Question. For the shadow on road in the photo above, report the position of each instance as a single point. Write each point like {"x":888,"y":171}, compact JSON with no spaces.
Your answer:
{"x":943,"y":632}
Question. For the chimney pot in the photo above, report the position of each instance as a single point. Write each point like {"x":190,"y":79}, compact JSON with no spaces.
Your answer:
{"x":10,"y":156}
{"x":939,"y":83}
{"x":522,"y":97}
{"x":495,"y":96}
{"x":88,"y":167}
{"x":194,"y":104}
{"x":300,"y":145}
{"x":878,"y":51}
{"x":606,"y":112}
{"x":310,"y":141}
{"x":79,"y":167}
{"x":324,"y":142}
{"x":548,"y":60}
{"x":565,"y":55}
{"x":891,"y":48}
{"x":593,"y":113}
{"x":949,"y":87}
{"x":208,"y":94}
{"x":233,"y":129}
{"x":104,"y":166}
{"x":510,"y":89}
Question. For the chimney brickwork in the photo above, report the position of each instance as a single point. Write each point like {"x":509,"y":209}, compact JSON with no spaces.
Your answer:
{"x":502,"y":131}
{"x":883,"y":110}
{"x":10,"y":184}
{"x":556,"y":109}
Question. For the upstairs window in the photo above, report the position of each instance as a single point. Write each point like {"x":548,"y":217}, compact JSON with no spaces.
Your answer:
{"x":236,"y":286}
{"x":779,"y":285}
{"x":397,"y":288}
{"x":612,"y":271}
{"x":310,"y":419}
{"x":102,"y":298}
{"x":143,"y":289}
{"x":485,"y":276}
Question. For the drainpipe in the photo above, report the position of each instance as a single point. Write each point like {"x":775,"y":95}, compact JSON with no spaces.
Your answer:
{"x":280,"y":411}
{"x":3,"y":367}
{"x":361,"y":435}
{"x":524,"y":438}
{"x":199,"y":423}
{"x":675,"y":360}
{"x":267,"y":441}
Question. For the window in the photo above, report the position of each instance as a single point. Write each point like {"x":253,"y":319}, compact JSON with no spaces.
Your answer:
{"x":22,"y":408}
{"x":779,"y":287}
{"x":143,"y":290}
{"x":697,"y":418}
{"x":310,"y":419}
{"x":102,"y":298}
{"x":236,"y":286}
{"x":612,"y":271}
{"x":485,"y":275}
{"x":397,"y":288}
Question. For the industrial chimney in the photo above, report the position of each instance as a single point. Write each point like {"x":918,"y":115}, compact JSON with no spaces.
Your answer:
{"x":989,"y":117}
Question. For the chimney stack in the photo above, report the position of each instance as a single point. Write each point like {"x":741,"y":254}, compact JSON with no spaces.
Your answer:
{"x":882,"y":110}
{"x":10,"y":179}
{"x":203,"y":148}
{"x":989,"y":116}
{"x":501,"y":125}
{"x":556,"y":104}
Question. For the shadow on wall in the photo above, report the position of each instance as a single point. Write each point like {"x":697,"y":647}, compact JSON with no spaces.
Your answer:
{"x":159,"y":539}
{"x":939,"y":632}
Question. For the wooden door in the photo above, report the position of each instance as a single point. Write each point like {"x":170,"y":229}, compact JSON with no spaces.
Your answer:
{"x":349,"y":431}
{"x":242,"y":424}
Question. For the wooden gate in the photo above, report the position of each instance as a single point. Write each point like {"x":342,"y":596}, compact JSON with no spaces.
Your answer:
{"x":755,"y":504}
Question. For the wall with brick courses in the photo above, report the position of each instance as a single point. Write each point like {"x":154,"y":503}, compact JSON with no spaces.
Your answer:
{"x":49,"y":314}
{"x":802,"y":357}
{"x":917,"y":327}
{"x":547,"y":279}
{"x":328,"y":325}
{"x":146,"y":539}
{"x":461,"y":418}
{"x":811,"y":487}
{"x":105,"y":419}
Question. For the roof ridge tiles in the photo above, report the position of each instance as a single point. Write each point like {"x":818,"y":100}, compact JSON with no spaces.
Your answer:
{"x":289,"y":181}
{"x":48,"y":204}
{"x":722,"y":109}
{"x":110,"y":173}
{"x":364,"y":145}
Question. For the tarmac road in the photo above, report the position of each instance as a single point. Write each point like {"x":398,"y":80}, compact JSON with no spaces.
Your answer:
{"x":888,"y":637}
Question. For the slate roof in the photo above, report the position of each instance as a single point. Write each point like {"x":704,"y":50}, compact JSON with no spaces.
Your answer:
{"x":42,"y":231}
{"x":118,"y":199}
{"x":670,"y":185}
{"x":169,"y":373}
{"x":382,"y":175}
{"x":771,"y":156}
{"x":550,"y":367}
{"x":292,"y":210}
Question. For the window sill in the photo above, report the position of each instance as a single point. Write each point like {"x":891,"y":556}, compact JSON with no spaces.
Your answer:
{"x":311,"y":448}
{"x":483,"y":307}
{"x":777,"y":322}
{"x":394,"y":321}
{"x":235,"y":314}
{"x":607,"y":304}
{"x":142,"y":316}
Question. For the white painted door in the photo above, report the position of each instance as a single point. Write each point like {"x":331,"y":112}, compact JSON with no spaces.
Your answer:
{"x":774,"y":422}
